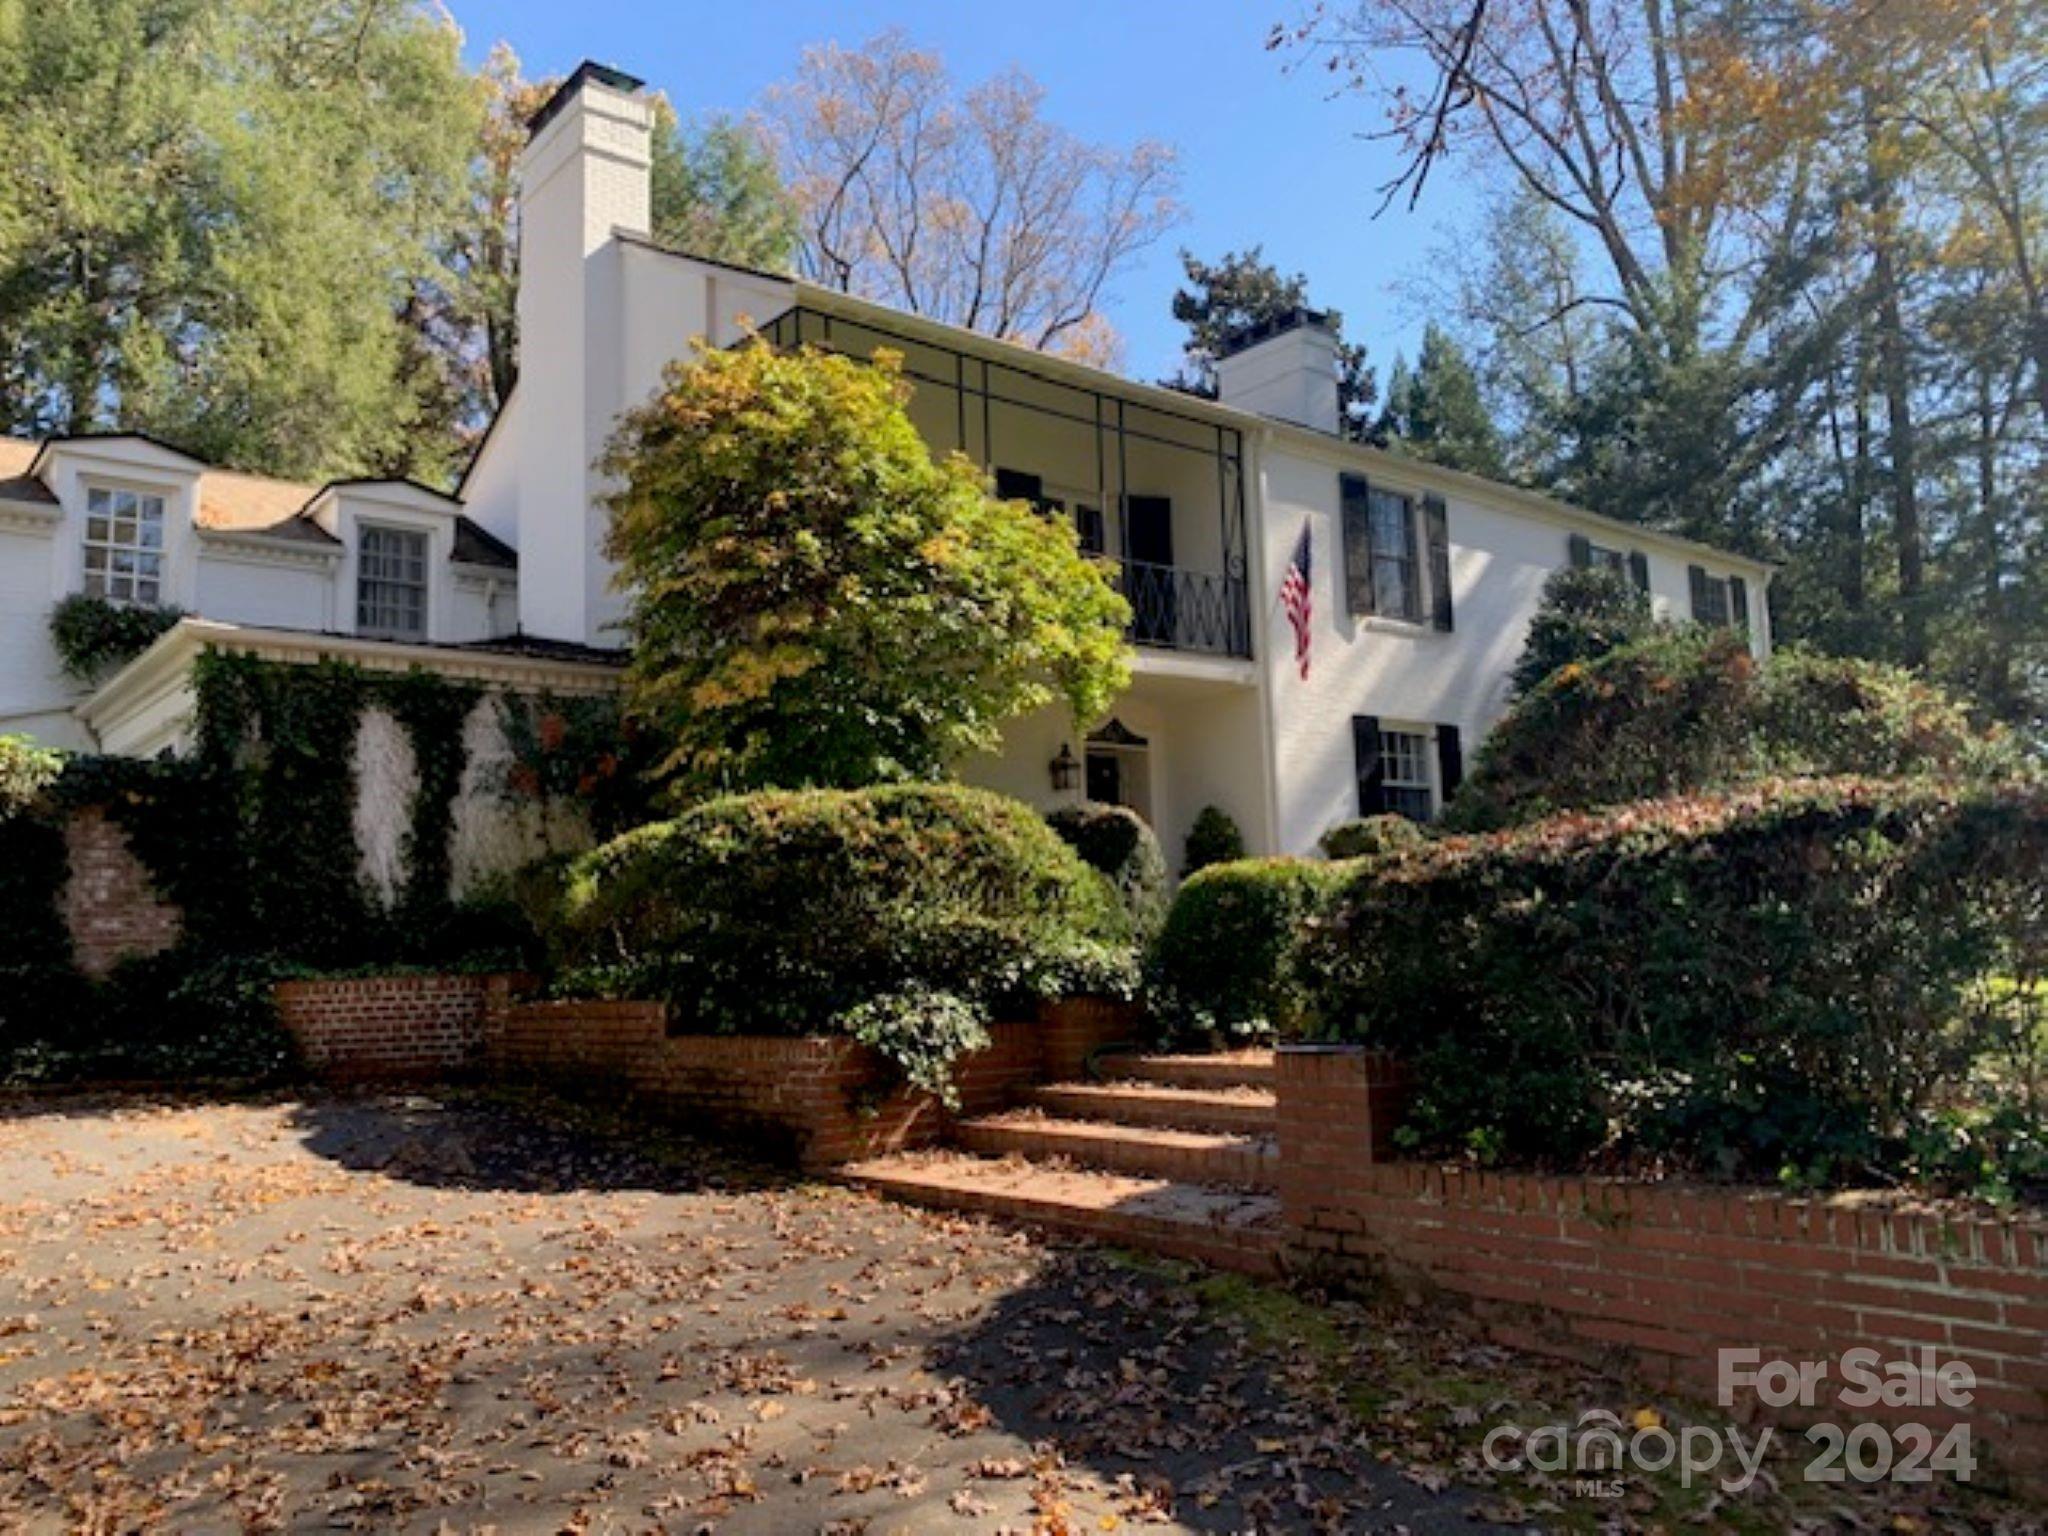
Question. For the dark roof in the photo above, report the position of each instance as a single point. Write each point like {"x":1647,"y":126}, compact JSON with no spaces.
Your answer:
{"x":476,"y":546}
{"x":565,"y":93}
{"x":544,"y":650}
{"x":26,"y":488}
{"x":300,"y":529}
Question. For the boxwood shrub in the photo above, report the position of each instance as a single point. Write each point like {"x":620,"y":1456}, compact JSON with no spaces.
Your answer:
{"x":1795,"y":980}
{"x":905,"y":915}
{"x":1122,"y":845}
{"x":1222,"y":964}
{"x":1367,"y":837}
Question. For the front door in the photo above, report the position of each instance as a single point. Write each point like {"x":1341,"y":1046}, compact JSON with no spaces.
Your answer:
{"x":1105,"y":778}
{"x":1155,"y":605}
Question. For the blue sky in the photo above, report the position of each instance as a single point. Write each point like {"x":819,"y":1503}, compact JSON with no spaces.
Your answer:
{"x":1267,"y":156}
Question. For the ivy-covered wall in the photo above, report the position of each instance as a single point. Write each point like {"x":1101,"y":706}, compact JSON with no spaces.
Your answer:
{"x":328,"y":818}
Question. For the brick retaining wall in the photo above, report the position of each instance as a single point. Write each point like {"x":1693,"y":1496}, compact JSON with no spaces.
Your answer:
{"x":110,"y":908}
{"x":362,"y":1027}
{"x":1666,"y":1277}
{"x":821,"y":1099}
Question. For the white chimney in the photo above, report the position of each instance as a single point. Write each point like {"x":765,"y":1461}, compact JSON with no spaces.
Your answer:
{"x":1285,"y":368}
{"x":583,"y":177}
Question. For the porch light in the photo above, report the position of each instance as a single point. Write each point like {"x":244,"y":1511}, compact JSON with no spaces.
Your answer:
{"x":1064,"y":769}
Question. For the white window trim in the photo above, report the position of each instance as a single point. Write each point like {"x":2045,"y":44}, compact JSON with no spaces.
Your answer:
{"x":1426,"y":751}
{"x":366,"y":526}
{"x":165,"y":497}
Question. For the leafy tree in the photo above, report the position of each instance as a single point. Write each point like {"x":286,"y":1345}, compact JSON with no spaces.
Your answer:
{"x":819,"y":602}
{"x":968,"y":207}
{"x":1583,"y":614}
{"x":1435,"y":411}
{"x":1226,"y":298}
{"x":218,"y":216}
{"x":717,"y":193}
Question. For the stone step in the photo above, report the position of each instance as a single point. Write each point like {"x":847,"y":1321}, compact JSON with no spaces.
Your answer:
{"x":1202,"y":1157}
{"x":1218,"y":1069}
{"x":1231,"y":1229}
{"x":1245,"y":1111}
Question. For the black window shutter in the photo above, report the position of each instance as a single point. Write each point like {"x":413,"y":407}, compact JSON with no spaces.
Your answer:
{"x":1372,"y":774}
{"x":1582,"y":551}
{"x":1018,"y":485}
{"x":1436,"y":524}
{"x":1450,"y":761}
{"x":1639,"y":569}
{"x":1355,"y":497}
{"x":1738,"y":602}
{"x":1702,"y":602}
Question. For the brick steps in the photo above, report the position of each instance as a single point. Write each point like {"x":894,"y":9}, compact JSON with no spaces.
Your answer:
{"x":1222,"y":1069}
{"x":1207,"y":1157}
{"x":1240,"y":1111}
{"x":1231,"y":1229}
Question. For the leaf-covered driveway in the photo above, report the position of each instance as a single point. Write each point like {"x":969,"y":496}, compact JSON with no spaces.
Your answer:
{"x":390,"y":1313}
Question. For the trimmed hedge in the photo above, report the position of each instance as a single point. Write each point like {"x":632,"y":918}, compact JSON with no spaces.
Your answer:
{"x":1798,"y":980}
{"x":877,"y":912}
{"x":1690,"y":709}
{"x":1213,"y":839}
{"x":1371,"y":837}
{"x":1222,"y":963}
{"x":1121,"y":844}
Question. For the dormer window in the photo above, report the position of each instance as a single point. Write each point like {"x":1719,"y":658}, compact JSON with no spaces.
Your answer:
{"x":124,"y":546}
{"x":391,"y":584}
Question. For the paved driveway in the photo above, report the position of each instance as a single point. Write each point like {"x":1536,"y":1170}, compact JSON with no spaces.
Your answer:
{"x":396,"y":1313}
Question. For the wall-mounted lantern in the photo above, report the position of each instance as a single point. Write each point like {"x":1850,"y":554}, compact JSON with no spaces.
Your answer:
{"x":1065,"y":770}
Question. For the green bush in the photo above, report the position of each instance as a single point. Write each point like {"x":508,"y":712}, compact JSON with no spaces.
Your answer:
{"x":26,"y":771}
{"x":1118,"y":842}
{"x":1688,"y":710}
{"x":877,"y":912}
{"x":1369,"y":837}
{"x":1585,"y":612}
{"x":92,"y":634}
{"x":1213,"y":839}
{"x":1222,"y":963}
{"x":1791,"y":980}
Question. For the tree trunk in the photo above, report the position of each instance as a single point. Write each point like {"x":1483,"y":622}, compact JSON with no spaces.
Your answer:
{"x":1895,"y":377}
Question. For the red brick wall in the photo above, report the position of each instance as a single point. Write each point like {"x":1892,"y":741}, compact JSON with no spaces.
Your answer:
{"x":1073,"y":1028}
{"x":388,"y":1026}
{"x":821,"y":1099}
{"x":111,"y":909}
{"x":1667,"y":1277}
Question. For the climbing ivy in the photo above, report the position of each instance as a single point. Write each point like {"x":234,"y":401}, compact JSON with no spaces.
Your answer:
{"x":91,"y":634}
{"x":433,"y":712}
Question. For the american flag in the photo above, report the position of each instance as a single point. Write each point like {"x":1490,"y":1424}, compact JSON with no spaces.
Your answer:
{"x":1297,"y":598}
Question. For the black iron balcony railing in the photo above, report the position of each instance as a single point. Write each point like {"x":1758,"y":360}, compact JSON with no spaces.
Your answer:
{"x":1181,"y":610}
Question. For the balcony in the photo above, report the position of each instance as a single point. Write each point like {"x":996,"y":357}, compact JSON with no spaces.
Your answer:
{"x":1176,"y":609}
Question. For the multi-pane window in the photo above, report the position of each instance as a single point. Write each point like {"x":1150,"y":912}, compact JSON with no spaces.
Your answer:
{"x":124,"y":546}
{"x":1382,"y":575}
{"x":391,"y":584}
{"x":1404,"y":774}
{"x":1711,"y":601}
{"x":1600,"y":557}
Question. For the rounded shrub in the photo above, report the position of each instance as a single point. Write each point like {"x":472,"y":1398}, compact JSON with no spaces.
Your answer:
{"x":1213,"y":839}
{"x":1223,"y":962}
{"x":1118,"y":841}
{"x":893,"y":914}
{"x":1371,"y":837}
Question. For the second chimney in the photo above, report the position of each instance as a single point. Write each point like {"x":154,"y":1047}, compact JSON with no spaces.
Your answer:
{"x":1285,"y":368}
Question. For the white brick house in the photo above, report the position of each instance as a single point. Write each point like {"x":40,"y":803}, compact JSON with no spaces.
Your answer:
{"x":1424,"y":579}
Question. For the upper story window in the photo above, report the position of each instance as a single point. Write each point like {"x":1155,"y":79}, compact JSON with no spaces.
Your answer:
{"x":391,"y":584}
{"x":1387,"y":536}
{"x":124,"y":546}
{"x":1631,"y":565}
{"x":1722,"y":601}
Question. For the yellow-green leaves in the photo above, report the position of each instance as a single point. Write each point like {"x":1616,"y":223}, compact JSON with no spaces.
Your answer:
{"x":817,"y":601}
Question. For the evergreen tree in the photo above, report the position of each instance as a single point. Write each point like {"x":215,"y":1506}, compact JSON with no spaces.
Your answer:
{"x":1436,"y":412}
{"x":1225,"y":298}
